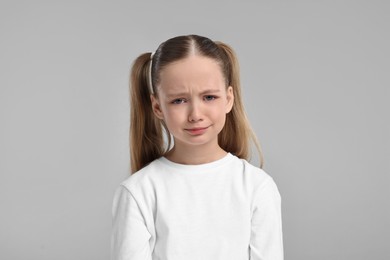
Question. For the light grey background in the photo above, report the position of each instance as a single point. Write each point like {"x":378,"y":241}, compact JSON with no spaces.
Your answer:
{"x":315,"y":78}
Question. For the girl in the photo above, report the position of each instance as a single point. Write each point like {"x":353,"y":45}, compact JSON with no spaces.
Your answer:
{"x":196,"y":196}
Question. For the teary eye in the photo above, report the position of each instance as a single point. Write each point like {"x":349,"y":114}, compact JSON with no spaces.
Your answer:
{"x":209,"y":97}
{"x":178,"y":101}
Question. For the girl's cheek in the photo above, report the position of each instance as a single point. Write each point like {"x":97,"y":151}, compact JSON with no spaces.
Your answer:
{"x":173,"y":112}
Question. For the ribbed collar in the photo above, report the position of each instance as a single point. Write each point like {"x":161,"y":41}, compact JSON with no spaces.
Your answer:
{"x":188,"y":168}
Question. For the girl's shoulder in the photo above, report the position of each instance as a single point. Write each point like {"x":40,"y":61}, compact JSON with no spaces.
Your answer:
{"x":142,"y":177}
{"x":254,"y":174}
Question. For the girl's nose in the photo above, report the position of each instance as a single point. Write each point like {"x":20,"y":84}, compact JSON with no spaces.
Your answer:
{"x":195,"y":114}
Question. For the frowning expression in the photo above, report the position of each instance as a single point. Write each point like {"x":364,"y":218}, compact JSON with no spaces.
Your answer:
{"x":193,"y":100}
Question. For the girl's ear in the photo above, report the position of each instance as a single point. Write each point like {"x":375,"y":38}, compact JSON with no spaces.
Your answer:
{"x":156,"y":107}
{"x":229,"y":98}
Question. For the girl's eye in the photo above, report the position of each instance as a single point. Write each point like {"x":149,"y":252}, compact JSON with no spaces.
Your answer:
{"x":178,"y":101}
{"x":209,"y":97}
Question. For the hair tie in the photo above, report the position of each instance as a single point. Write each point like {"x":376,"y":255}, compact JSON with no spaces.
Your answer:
{"x":150,"y":73}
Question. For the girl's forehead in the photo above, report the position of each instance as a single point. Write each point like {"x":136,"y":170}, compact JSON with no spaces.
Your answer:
{"x":192,"y":69}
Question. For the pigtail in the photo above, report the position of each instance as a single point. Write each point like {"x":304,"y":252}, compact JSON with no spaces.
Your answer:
{"x":146,"y":141}
{"x":237,"y":134}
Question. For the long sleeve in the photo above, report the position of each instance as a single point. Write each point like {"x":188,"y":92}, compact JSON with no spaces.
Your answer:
{"x":266,"y":242}
{"x":130,"y":236}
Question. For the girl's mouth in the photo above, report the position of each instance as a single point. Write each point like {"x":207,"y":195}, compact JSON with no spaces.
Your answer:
{"x":197,"y":130}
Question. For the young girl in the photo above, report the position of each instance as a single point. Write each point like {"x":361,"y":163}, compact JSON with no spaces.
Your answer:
{"x":196,"y":196}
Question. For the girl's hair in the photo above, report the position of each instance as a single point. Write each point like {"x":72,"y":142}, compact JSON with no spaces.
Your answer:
{"x":147,"y":131}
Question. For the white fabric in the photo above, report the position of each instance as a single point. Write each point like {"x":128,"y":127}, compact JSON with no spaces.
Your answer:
{"x":226,"y":209}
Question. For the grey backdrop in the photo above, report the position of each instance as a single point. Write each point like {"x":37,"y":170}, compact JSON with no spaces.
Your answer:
{"x":315,"y":78}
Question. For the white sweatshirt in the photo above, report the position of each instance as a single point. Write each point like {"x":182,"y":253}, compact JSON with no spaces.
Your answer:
{"x":226,"y":209}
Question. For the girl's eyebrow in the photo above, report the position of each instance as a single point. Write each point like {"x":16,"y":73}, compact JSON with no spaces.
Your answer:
{"x":208,"y":91}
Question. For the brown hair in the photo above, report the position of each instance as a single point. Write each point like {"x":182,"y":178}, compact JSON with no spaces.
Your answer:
{"x":146,"y":130}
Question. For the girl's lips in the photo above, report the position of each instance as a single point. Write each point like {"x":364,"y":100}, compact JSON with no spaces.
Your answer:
{"x":197,"y":130}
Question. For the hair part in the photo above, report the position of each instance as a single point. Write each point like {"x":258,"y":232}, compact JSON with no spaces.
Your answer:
{"x":146,"y":130}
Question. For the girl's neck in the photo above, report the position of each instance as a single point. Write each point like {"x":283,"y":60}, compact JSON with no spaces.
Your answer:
{"x":194,"y":155}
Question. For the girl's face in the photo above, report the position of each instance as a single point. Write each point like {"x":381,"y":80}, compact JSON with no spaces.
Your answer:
{"x":193,"y":101}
